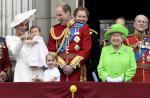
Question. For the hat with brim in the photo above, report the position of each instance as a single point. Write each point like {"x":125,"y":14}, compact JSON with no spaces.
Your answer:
{"x":116,"y":28}
{"x":19,"y":18}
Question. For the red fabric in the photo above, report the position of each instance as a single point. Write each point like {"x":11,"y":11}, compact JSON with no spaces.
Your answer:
{"x":84,"y":44}
{"x":138,"y":76}
{"x":85,"y":90}
{"x":71,"y":78}
{"x":141,"y":75}
{"x":131,"y":40}
{"x":52,"y":43}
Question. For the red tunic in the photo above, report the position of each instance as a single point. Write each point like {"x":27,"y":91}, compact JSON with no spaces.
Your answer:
{"x":143,"y":65}
{"x":77,"y":52}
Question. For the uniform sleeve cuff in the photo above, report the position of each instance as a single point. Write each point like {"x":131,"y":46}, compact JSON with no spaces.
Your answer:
{"x":76,"y":62}
{"x":61,"y":62}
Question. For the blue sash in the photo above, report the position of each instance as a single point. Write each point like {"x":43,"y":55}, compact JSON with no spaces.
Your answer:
{"x":143,"y":50}
{"x":76,"y":28}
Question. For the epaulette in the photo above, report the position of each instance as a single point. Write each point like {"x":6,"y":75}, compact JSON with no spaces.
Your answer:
{"x":54,"y":26}
{"x":2,"y":39}
{"x":93,"y":31}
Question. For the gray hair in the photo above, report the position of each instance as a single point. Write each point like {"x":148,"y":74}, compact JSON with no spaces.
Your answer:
{"x":142,"y":16}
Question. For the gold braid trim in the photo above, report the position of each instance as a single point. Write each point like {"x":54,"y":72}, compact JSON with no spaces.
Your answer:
{"x":134,"y":45}
{"x":83,"y":76}
{"x":140,"y":34}
{"x":54,"y":36}
{"x":63,"y":40}
{"x":61,"y":62}
{"x":75,"y":62}
{"x":65,"y":34}
{"x":70,"y":23}
{"x":93,"y":31}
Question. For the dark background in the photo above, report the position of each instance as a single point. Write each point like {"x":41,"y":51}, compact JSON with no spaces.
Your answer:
{"x":112,"y":9}
{"x":103,"y":9}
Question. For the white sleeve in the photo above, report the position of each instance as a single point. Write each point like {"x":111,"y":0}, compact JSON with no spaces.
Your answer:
{"x":43,"y":52}
{"x":37,"y":38}
{"x":56,"y":72}
{"x":14,"y":44}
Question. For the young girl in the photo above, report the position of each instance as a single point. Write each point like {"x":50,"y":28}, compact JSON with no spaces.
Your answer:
{"x":52,"y":73}
{"x":38,"y":51}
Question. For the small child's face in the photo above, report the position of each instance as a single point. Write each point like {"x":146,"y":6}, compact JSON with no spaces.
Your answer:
{"x":51,"y":62}
{"x":35,"y":31}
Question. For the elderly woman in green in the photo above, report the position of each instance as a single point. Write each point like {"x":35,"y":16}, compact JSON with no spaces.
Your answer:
{"x":117,"y":62}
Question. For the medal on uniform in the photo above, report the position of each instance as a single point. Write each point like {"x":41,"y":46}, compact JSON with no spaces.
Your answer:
{"x":77,"y":47}
{"x":143,"y":59}
{"x":76,"y":32}
{"x":77,"y":39}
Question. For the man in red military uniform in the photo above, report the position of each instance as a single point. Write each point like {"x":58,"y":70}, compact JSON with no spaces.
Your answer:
{"x":5,"y":64}
{"x":72,"y":41}
{"x":140,"y":42}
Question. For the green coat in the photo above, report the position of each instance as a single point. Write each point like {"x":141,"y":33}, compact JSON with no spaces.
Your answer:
{"x":115,"y":64}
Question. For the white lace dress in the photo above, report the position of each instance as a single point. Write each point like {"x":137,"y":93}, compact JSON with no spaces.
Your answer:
{"x":37,"y":56}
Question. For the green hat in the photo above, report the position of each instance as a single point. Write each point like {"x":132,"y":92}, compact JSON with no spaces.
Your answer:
{"x":116,"y":28}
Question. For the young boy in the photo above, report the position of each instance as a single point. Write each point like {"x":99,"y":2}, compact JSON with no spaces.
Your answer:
{"x":52,"y":73}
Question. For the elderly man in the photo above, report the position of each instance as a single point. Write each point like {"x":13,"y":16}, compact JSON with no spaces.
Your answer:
{"x":140,"y":42}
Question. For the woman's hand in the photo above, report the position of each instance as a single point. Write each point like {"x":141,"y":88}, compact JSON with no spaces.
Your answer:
{"x":25,"y":36}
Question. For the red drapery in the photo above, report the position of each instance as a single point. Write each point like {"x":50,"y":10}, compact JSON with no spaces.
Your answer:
{"x":84,"y":90}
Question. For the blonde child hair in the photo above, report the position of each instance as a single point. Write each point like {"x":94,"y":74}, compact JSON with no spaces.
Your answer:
{"x":53,"y":55}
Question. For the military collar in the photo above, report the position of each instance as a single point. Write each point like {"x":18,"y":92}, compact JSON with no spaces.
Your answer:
{"x":140,"y":34}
